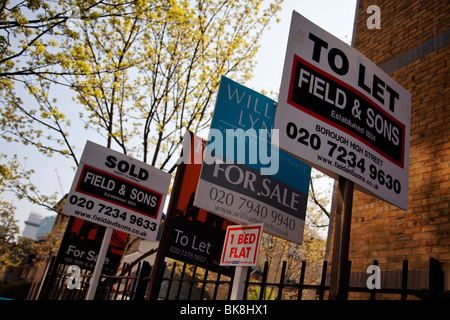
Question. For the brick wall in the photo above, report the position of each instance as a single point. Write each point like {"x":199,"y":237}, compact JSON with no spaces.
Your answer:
{"x":379,"y":230}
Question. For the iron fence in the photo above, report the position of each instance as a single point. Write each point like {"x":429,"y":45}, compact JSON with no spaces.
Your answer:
{"x":183,"y":281}
{"x":131,"y":284}
{"x":437,"y":284}
{"x":189,"y":282}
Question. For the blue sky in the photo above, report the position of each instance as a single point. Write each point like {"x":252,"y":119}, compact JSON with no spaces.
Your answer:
{"x":336,"y":17}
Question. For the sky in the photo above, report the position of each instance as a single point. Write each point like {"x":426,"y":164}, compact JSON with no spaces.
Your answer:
{"x":336,"y":17}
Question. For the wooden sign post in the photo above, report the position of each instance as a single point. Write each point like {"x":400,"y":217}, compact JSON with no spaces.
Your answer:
{"x":340,"y":270}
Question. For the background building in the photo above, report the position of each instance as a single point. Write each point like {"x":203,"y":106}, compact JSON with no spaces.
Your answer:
{"x":45,"y":227}
{"x":412,"y":46}
{"x":32,"y":225}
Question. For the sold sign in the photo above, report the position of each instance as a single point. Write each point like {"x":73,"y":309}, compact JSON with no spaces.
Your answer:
{"x":241,"y":245}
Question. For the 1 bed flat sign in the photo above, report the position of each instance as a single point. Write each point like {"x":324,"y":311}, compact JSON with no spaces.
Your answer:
{"x":117,"y":191}
{"x":241,"y":245}
{"x":342,"y":114}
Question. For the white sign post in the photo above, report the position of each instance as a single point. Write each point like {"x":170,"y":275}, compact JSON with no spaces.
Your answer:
{"x":119,"y":192}
{"x":99,"y":265}
{"x":341,"y":113}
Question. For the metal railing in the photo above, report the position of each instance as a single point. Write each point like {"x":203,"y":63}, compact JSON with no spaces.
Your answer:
{"x":183,"y":281}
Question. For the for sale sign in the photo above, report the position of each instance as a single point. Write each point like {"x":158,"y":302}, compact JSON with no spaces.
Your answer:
{"x":244,"y":178}
{"x":241,"y":245}
{"x":117,"y":191}
{"x":342,"y":114}
{"x":81,"y":244}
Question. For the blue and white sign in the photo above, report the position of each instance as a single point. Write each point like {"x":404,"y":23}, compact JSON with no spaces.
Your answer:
{"x":244,"y":177}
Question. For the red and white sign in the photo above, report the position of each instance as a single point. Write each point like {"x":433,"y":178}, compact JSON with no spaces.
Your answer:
{"x":117,"y":191}
{"x":241,"y":245}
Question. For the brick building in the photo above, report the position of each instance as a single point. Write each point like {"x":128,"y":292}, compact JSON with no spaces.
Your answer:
{"x":412,"y":46}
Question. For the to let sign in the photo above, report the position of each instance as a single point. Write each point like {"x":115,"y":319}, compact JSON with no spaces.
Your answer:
{"x":241,"y":245}
{"x":341,"y":113}
{"x":117,"y":191}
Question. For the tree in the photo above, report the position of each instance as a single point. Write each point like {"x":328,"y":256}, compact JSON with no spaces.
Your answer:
{"x":15,"y":178}
{"x":318,"y":213}
{"x":141,"y":72}
{"x":13,"y":249}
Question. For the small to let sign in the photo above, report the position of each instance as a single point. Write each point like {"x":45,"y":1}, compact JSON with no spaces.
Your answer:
{"x":241,"y":245}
